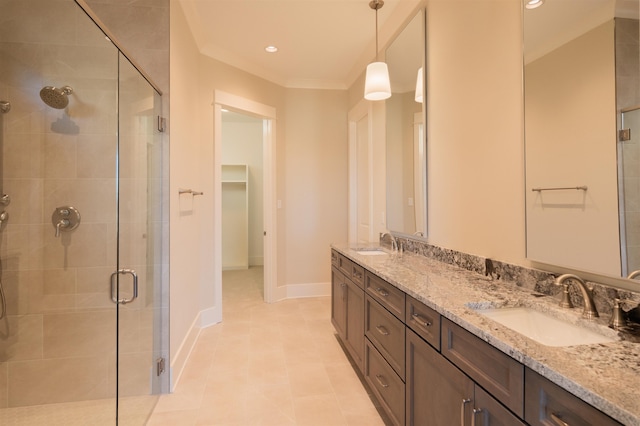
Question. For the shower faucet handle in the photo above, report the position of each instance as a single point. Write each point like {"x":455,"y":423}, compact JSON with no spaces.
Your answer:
{"x":5,"y":200}
{"x":63,"y":224}
{"x":65,"y":219}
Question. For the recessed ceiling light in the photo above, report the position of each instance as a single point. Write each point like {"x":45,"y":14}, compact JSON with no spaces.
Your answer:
{"x":532,"y":4}
{"x":271,"y":49}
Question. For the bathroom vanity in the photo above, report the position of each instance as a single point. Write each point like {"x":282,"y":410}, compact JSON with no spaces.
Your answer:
{"x":414,"y":328}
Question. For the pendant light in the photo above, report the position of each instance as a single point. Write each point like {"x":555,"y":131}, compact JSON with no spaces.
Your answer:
{"x":376,"y":85}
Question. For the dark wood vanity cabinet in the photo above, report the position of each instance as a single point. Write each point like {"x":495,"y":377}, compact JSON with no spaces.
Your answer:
{"x":347,"y":308}
{"x":426,"y":370}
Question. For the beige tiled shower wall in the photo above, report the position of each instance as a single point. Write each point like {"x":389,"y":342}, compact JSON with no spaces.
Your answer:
{"x":58,"y":341}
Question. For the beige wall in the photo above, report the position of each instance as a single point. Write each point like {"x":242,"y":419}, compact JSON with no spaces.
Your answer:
{"x":315,"y":183}
{"x":475,"y":147}
{"x":186,"y":212}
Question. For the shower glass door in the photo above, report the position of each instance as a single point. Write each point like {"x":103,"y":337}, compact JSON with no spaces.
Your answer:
{"x":140,"y":248}
{"x":81,"y":164}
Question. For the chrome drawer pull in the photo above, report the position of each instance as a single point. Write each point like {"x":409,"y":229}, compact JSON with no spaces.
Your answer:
{"x":380,"y":380}
{"x":473,"y":418}
{"x":421,"y":320}
{"x":557,"y":420}
{"x":382,"y":330}
{"x":464,"y":402}
{"x":382,"y":292}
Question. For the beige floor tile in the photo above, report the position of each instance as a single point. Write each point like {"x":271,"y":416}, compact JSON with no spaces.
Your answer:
{"x":173,"y":418}
{"x":319,"y":410}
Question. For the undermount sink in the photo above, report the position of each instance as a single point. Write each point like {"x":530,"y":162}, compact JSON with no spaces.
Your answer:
{"x":544,"y":328}
{"x":371,"y":251}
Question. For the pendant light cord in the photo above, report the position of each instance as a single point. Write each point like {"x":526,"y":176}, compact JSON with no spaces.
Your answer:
{"x":377,"y":54}
{"x":375,"y":5}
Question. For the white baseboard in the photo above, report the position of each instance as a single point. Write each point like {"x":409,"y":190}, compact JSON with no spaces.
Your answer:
{"x":235,"y":267}
{"x":296,"y":291}
{"x":179,"y":361}
{"x":210,"y":316}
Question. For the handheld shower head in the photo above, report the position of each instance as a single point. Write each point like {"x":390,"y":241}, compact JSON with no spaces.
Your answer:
{"x":54,"y":97}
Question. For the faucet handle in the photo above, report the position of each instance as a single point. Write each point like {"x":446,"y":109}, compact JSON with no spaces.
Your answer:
{"x":618,"y":319}
{"x":566,"y":302}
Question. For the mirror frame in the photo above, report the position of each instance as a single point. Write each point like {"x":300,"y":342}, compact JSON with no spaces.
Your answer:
{"x":420,"y":13}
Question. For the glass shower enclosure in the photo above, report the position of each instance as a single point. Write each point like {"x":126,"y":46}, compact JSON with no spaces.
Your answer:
{"x":83,"y":224}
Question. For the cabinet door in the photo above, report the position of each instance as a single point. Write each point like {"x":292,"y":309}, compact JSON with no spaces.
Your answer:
{"x":437,"y":393}
{"x":354,"y":339}
{"x":338,"y":302}
{"x":489,"y":412}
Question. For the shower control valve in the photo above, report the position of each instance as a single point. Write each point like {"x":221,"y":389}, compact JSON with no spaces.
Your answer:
{"x":65,"y":219}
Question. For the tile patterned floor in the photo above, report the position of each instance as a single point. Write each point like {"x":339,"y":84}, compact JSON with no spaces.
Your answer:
{"x":267,"y":364}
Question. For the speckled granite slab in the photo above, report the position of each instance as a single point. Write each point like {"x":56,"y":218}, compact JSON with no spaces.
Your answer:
{"x":606,"y":375}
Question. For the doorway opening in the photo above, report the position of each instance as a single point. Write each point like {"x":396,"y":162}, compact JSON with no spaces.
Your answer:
{"x":242,"y":204}
{"x":244,"y":179}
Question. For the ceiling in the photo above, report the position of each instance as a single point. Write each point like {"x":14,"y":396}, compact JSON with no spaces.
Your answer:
{"x":322,"y":44}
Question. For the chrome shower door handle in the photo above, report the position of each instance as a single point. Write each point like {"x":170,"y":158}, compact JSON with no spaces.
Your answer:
{"x":115,"y":285}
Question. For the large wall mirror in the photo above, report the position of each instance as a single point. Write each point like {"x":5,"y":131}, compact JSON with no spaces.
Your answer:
{"x":406,"y":131}
{"x":582,"y":90}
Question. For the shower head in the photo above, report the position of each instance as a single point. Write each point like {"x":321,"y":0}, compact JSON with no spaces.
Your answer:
{"x":57,"y":98}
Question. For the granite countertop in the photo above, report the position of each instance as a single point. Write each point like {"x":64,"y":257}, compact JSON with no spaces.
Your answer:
{"x":606,"y":375}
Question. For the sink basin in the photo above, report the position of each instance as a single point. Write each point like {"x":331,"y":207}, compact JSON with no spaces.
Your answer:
{"x":543,"y":328}
{"x":373,"y":251}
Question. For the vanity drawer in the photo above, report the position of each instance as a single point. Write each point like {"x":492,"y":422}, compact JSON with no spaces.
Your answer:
{"x":344,"y":265}
{"x":423,"y":320}
{"x":387,"y":333}
{"x":545,"y":402}
{"x":334,"y":258}
{"x":498,"y":373}
{"x":357,"y":274}
{"x":389,"y":296}
{"x":350,"y":269}
{"x":385,"y":384}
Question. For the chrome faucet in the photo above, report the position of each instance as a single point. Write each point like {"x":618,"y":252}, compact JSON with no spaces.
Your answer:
{"x":589,"y":310}
{"x":394,"y":242}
